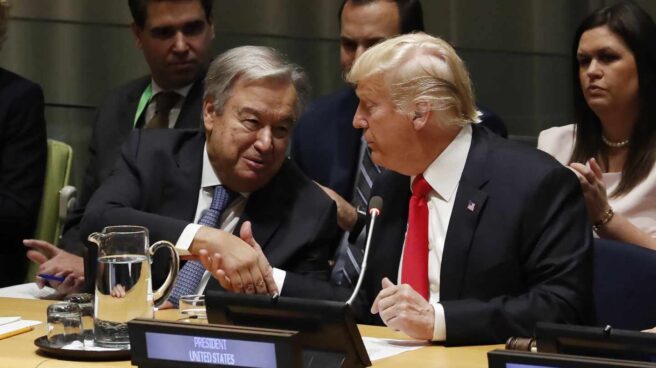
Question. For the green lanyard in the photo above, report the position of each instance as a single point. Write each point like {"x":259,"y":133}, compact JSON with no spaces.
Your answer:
{"x":143,"y":101}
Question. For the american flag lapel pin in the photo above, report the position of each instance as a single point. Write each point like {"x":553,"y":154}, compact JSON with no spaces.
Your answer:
{"x":471,"y":206}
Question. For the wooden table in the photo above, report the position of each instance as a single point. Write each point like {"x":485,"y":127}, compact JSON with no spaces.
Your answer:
{"x":20,"y":351}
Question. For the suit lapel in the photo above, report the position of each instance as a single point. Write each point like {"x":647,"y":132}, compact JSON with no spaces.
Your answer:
{"x":190,"y":113}
{"x":265,"y":207}
{"x":188,"y":172}
{"x":468,"y":206}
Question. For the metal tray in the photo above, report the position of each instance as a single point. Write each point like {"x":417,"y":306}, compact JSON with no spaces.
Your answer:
{"x":80,"y":354}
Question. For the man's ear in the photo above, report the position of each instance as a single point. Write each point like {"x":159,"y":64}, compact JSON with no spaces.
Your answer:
{"x":422,"y":114}
{"x":138,"y":33}
{"x":209,"y":113}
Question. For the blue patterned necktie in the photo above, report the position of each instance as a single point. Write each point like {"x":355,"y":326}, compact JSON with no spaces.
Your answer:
{"x":349,"y":258}
{"x":192,"y":272}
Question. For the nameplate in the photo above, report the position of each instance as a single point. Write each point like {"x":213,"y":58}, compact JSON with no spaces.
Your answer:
{"x":176,"y":344}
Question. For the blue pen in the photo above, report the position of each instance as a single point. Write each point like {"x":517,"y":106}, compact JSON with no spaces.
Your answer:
{"x":51,"y":277}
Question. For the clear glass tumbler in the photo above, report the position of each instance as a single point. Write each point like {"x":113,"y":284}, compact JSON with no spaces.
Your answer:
{"x":85,"y":302}
{"x":65,"y":325}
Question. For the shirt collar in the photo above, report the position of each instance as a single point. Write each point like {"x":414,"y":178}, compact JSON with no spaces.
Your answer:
{"x":181,"y":91}
{"x":209,"y":178}
{"x":444,"y":173}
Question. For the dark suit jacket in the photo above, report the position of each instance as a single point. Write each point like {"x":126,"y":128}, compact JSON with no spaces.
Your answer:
{"x":522,"y":255}
{"x":326,"y":146}
{"x":156,"y":184}
{"x":113,"y":124}
{"x":23,"y":154}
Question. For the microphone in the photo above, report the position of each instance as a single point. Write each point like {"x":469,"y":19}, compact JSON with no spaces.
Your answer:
{"x":375,"y":208}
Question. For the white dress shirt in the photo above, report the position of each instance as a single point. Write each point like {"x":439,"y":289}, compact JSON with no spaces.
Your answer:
{"x":443,"y":175}
{"x":228,"y":221}
{"x":175,"y":110}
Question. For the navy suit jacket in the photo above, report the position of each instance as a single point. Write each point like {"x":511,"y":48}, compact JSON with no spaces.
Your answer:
{"x":156,"y":184}
{"x":114,"y":122}
{"x":23,"y":155}
{"x":522,"y":254}
{"x":326,"y":146}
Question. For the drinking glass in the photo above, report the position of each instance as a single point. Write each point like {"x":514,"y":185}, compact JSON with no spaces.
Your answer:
{"x":191,"y":308}
{"x":65,"y":325}
{"x":85,"y":302}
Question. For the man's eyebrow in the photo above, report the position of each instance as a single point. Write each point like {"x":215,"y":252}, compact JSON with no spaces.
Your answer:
{"x":191,"y":22}
{"x":248,"y":110}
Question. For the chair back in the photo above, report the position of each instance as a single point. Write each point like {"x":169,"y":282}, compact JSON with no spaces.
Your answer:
{"x":624,"y":279}
{"x":58,"y":171}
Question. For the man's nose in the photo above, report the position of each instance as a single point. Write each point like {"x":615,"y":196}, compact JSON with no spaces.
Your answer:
{"x":359,"y":122}
{"x":359,"y":51}
{"x":180,"y":42}
{"x":264,"y":141}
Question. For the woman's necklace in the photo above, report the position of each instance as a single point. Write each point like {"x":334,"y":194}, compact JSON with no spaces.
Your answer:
{"x":619,"y":144}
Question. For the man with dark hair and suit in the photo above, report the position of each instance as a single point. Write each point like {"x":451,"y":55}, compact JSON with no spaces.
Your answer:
{"x":23,"y":155}
{"x":175,"y":37}
{"x":480,"y":237}
{"x":325,"y":145}
{"x":198,"y":189}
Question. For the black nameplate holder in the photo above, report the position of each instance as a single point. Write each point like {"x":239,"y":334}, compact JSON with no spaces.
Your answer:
{"x":327,"y":331}
{"x":164,"y":344}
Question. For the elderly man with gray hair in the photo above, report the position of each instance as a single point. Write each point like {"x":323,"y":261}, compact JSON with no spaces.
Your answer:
{"x":480,"y":237}
{"x":230,"y":194}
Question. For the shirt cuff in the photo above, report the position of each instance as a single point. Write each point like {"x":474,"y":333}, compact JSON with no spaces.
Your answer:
{"x":439,"y":326}
{"x":279,"y":278}
{"x":187,"y":236}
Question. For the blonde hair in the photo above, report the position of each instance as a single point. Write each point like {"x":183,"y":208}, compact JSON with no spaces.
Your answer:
{"x":420,"y":69}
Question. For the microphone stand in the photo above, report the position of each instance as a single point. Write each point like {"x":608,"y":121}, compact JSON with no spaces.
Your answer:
{"x":375,"y":204}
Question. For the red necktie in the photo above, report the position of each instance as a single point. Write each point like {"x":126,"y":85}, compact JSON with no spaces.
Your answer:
{"x":415,"y":253}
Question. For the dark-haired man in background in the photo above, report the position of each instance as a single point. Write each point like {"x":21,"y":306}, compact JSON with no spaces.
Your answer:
{"x":175,"y":37}
{"x":325,"y":144}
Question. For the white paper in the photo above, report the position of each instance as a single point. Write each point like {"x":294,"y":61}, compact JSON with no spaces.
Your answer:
{"x":5,"y":320}
{"x":28,"y":291}
{"x":17,"y":325}
{"x":382,"y":348}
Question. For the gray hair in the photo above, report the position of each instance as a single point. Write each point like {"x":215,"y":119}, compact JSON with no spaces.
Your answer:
{"x":4,"y":20}
{"x":253,"y":63}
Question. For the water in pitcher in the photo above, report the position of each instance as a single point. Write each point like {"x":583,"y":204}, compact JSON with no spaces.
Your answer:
{"x":123,"y":292}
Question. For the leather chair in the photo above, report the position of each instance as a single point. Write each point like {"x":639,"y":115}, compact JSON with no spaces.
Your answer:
{"x":58,"y":196}
{"x":624,"y":285}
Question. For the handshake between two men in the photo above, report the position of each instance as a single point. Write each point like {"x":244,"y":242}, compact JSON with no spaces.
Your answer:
{"x":246,"y":264}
